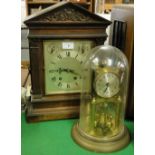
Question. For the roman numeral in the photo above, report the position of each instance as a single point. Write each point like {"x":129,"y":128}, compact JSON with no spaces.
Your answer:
{"x":75,"y":78}
{"x":52,"y":50}
{"x":59,"y":56}
{"x":68,"y":86}
{"x":59,"y":84}
{"x":60,"y":78}
{"x":76,"y":56}
{"x":68,"y":54}
{"x":83,"y":50}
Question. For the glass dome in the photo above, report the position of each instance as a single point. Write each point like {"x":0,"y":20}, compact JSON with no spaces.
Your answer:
{"x":103,"y":99}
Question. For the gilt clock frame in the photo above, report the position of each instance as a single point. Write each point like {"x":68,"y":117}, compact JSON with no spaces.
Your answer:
{"x":64,"y":20}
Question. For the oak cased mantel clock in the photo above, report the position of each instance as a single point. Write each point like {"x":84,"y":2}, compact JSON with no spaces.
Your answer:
{"x":60,"y":40}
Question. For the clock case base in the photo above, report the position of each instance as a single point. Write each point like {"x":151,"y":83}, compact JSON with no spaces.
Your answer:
{"x":110,"y":145}
{"x":44,"y":111}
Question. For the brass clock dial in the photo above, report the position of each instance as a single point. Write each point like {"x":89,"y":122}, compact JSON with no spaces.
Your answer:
{"x":63,"y":61}
{"x":107,"y":85}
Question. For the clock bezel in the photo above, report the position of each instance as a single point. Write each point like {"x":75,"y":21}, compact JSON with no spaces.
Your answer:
{"x":96,"y":80}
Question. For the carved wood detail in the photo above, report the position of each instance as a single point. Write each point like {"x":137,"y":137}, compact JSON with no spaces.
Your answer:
{"x":66,"y":14}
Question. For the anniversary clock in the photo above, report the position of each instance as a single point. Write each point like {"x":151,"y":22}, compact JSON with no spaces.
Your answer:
{"x":60,"y":40}
{"x":101,"y":126}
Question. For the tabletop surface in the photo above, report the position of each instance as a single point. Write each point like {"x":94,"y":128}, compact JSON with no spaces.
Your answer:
{"x":54,"y":138}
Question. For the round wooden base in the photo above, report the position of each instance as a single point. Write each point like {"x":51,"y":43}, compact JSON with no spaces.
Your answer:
{"x":113,"y":144}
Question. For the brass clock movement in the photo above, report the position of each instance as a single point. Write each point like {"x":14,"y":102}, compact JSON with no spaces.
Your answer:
{"x":60,"y":40}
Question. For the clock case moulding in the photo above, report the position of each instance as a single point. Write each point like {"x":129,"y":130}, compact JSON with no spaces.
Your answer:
{"x":64,"y":20}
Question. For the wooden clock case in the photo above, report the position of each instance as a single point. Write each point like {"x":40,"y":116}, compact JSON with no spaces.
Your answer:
{"x":64,"y":20}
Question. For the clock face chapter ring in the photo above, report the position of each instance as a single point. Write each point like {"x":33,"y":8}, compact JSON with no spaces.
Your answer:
{"x":107,"y":85}
{"x":65,"y":76}
{"x":63,"y":61}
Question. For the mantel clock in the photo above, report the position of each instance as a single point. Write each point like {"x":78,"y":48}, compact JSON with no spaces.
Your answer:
{"x":60,"y":40}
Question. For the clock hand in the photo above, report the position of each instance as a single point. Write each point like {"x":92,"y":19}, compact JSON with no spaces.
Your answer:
{"x":63,"y":70}
{"x":107,"y":85}
{"x":72,"y":71}
{"x":67,"y":70}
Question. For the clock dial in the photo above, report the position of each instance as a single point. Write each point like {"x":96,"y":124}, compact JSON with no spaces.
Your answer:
{"x":107,"y":85}
{"x":63,"y":65}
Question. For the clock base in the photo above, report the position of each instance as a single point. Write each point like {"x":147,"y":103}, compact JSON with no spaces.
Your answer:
{"x":114,"y":144}
{"x":37,"y":112}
